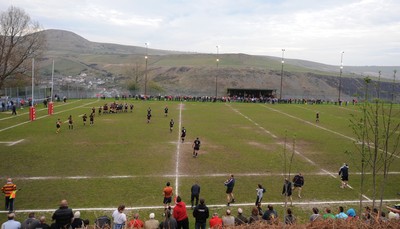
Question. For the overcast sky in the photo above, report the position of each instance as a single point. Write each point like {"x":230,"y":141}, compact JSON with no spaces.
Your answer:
{"x":368,"y":31}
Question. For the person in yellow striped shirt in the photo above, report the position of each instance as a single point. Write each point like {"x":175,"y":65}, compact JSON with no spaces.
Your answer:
{"x":8,"y":190}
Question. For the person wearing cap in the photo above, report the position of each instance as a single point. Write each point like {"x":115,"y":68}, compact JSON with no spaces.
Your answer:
{"x":228,"y":219}
{"x":11,"y":223}
{"x":63,"y":216}
{"x":152,"y":223}
{"x":77,"y":222}
{"x":240,"y":218}
{"x":180,"y":214}
{"x":8,"y":189}
{"x":215,"y":222}
{"x":344,"y":175}
{"x":168,"y":192}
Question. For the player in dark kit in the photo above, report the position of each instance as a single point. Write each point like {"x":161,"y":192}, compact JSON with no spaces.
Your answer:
{"x":196,"y":147}
{"x":91,"y":118}
{"x":70,"y":123}
{"x":171,"y":125}
{"x":166,"y":111}
{"x":317,"y":117}
{"x":148,"y":117}
{"x":58,"y":125}
{"x":183,"y":134}
{"x":84,"y":117}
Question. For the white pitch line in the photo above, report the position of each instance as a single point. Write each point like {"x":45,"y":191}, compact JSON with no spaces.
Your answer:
{"x":178,"y":146}
{"x":324,"y":173}
{"x":303,"y":203}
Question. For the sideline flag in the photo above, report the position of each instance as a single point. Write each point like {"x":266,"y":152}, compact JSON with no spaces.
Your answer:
{"x":13,"y":194}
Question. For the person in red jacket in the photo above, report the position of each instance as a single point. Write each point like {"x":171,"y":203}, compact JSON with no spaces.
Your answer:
{"x":215,"y":222}
{"x":180,"y":214}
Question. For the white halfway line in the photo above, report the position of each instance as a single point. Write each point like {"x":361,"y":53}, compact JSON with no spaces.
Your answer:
{"x":12,"y":143}
{"x":178,"y":146}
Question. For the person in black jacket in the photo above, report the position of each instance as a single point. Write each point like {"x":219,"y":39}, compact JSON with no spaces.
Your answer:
{"x":201,"y":214}
{"x":287,"y":190}
{"x":298,"y":182}
{"x":344,"y":173}
{"x":63,"y":216}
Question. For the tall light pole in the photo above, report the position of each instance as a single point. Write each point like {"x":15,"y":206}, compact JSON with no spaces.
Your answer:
{"x":145,"y":72}
{"x":216,"y":75}
{"x":340,"y":77}
{"x":283,"y":61}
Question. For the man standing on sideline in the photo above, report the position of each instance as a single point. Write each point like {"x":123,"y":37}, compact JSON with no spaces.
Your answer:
{"x":119,"y":217}
{"x":287,"y":190}
{"x":8,"y":190}
{"x":195,"y":194}
{"x":168,"y":192}
{"x":180,"y":214}
{"x":201,"y":214}
{"x":230,"y":183}
{"x":11,"y":223}
{"x":344,"y":173}
{"x":298,"y":182}
{"x":63,"y":216}
{"x":196,"y":147}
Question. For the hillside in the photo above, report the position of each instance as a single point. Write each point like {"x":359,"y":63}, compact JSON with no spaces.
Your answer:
{"x":172,"y":72}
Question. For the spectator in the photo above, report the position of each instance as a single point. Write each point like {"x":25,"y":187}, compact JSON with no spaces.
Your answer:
{"x":260,"y":192}
{"x":201,"y":214}
{"x":351,"y":213}
{"x":298,"y":182}
{"x":41,"y":224}
{"x":63,"y":216}
{"x":119,"y":217}
{"x":315,"y":216}
{"x":8,"y":189}
{"x":29,"y":221}
{"x":180,"y":214}
{"x":240,"y":218}
{"x":341,"y":214}
{"x":11,"y":223}
{"x":228,"y":219}
{"x":254,"y":216}
{"x":270,"y":215}
{"x":152,"y":223}
{"x":290,"y":218}
{"x":328,"y":214}
{"x":135,"y":222}
{"x":169,"y":221}
{"x":195,"y":194}
{"x":215,"y":222}
{"x":344,"y":175}
{"x":287,"y":190}
{"x":77,"y":222}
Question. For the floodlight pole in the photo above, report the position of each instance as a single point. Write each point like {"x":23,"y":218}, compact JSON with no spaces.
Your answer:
{"x":216,"y":75}
{"x":283,"y":61}
{"x":340,"y":77}
{"x":145,"y":77}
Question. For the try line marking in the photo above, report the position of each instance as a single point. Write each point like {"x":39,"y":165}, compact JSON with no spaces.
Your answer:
{"x":11,"y":143}
{"x":304,"y":203}
{"x":178,"y":146}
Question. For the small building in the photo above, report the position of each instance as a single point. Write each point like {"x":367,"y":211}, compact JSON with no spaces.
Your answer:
{"x":251,"y":93}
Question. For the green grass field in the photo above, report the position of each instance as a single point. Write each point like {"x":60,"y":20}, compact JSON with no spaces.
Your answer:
{"x":123,"y":160}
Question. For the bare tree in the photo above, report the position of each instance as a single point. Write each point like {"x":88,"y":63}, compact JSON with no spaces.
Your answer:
{"x":20,"y":40}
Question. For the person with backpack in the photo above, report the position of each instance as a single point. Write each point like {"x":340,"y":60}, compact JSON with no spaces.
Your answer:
{"x":260,"y":192}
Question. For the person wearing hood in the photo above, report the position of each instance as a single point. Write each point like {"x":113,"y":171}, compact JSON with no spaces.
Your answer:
{"x":351,"y":214}
{"x":180,"y":214}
